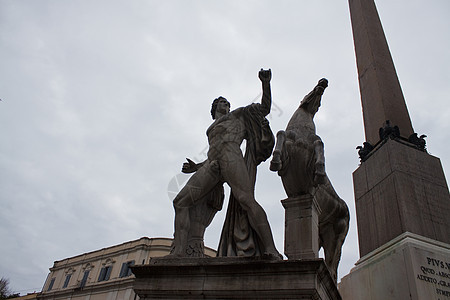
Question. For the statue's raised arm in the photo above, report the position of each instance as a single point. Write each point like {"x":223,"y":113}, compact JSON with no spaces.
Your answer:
{"x":266,"y":101}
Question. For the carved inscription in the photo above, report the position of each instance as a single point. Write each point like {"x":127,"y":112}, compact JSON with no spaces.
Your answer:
{"x":437,"y":273}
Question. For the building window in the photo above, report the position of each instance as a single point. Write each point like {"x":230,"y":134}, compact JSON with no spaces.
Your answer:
{"x":50,"y":286}
{"x":105,"y":272}
{"x":85,"y":278}
{"x":66,"y":282}
{"x":125,"y":271}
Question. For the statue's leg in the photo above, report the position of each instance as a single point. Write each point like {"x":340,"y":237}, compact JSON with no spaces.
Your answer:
{"x":200,"y":217}
{"x":341,"y":229}
{"x":329,"y":242}
{"x":319,"y":162}
{"x":276,"y":163}
{"x":200,"y":183}
{"x":332,"y":236}
{"x":234,"y":172}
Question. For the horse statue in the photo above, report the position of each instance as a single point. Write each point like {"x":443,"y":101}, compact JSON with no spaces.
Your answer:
{"x":299,"y":159}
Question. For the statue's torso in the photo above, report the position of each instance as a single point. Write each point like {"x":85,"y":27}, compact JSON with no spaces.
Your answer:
{"x":226,"y":134}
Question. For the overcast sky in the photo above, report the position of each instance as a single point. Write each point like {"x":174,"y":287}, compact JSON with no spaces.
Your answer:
{"x":102,"y":101}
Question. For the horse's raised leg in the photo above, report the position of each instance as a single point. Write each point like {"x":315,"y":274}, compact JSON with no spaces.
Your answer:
{"x":276,"y":163}
{"x":319,"y":163}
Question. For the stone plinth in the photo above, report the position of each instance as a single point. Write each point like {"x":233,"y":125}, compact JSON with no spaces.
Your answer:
{"x":301,"y":227}
{"x":400,"y":189}
{"x":233,"y":278}
{"x":409,"y":267}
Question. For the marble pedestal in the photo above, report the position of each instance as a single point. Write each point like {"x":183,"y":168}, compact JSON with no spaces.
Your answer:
{"x":408,"y":267}
{"x":301,"y":232}
{"x":234,"y":278}
{"x":400,"y":189}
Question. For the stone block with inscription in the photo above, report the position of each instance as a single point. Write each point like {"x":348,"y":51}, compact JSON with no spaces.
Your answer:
{"x":409,"y":267}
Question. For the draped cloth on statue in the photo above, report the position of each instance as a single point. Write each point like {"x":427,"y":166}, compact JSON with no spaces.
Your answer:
{"x":238,"y":238}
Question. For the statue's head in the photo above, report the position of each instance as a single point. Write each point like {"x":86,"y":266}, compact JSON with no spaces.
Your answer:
{"x":219,"y":103}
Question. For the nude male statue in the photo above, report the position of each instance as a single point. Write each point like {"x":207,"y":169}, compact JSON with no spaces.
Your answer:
{"x":226,"y":163}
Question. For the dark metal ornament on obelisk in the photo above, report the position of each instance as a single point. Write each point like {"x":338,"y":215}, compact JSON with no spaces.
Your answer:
{"x":401,"y":194}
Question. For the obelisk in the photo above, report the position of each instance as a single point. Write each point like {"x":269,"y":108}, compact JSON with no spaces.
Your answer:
{"x":401,"y":194}
{"x":381,"y":95}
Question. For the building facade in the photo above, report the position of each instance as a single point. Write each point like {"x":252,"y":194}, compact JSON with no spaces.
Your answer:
{"x":105,"y":273}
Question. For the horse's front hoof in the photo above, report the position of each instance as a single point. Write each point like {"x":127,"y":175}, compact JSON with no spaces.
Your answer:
{"x":275,"y":165}
{"x":319,"y":174}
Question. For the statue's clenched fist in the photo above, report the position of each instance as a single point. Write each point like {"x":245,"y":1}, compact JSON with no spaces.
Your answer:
{"x":265,"y":75}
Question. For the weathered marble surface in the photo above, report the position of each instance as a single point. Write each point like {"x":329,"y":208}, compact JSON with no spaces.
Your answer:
{"x":408,"y":267}
{"x":234,"y":278}
{"x":246,"y":231}
{"x":398,"y":189}
{"x":300,"y":161}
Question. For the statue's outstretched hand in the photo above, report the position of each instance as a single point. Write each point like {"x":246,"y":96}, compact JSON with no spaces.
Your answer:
{"x":189,"y":167}
{"x":265,"y":75}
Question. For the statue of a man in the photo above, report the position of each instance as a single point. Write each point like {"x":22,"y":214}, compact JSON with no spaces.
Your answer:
{"x":225,"y":163}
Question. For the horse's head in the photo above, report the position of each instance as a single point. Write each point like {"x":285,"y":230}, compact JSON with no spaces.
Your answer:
{"x":311,"y":102}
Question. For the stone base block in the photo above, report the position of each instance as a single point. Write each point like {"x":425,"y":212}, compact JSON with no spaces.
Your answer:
{"x":234,"y":278}
{"x":301,"y":227}
{"x":400,"y":189}
{"x":409,"y":267}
